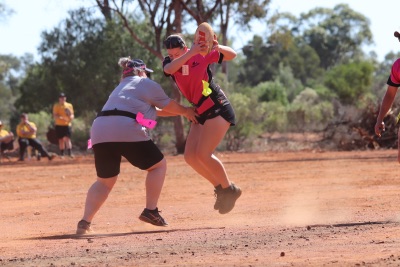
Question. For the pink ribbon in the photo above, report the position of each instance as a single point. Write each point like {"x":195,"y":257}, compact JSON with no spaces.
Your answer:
{"x":145,"y":122}
{"x":89,"y":143}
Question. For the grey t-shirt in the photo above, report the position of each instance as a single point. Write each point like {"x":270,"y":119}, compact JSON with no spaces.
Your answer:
{"x":133,"y":94}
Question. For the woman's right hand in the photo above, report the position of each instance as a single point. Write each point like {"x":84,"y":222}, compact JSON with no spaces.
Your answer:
{"x":379,"y":128}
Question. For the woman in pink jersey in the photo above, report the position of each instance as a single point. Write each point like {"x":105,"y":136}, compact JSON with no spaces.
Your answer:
{"x":192,"y":75}
{"x":387,"y":102}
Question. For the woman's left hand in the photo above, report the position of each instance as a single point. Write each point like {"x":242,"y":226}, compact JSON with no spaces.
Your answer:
{"x":215,"y":44}
{"x":191,"y":114}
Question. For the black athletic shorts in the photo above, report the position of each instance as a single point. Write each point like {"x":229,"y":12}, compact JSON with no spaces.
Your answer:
{"x":225,"y":112}
{"x":62,"y":131}
{"x":107,"y":156}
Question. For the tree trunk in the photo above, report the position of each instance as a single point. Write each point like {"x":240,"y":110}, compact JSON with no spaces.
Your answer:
{"x":180,"y":138}
{"x":178,"y":124}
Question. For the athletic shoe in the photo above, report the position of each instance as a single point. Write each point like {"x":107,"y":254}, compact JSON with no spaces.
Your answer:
{"x":153,"y":217}
{"x":217,"y":195}
{"x":52,"y":156}
{"x":83,"y":228}
{"x":228,"y":197}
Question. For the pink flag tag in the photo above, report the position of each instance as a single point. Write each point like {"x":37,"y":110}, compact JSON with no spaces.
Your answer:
{"x":89,"y":143}
{"x":145,"y":122}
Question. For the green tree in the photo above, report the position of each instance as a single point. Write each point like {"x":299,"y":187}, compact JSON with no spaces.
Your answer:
{"x":350,"y":81}
{"x":79,"y":58}
{"x":309,"y":112}
{"x":337,"y":35}
{"x":5,"y":12}
{"x":272,"y":92}
{"x":259,"y":63}
{"x":281,"y":49}
{"x":9,"y":65}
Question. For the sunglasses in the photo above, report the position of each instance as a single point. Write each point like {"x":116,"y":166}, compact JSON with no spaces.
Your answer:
{"x":174,"y":41}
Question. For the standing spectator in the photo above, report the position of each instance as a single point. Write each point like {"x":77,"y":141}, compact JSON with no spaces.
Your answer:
{"x":26,"y":131}
{"x":63,"y":113}
{"x":6,"y":140}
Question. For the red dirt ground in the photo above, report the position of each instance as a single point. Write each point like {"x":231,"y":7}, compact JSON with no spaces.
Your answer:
{"x":297,"y":209}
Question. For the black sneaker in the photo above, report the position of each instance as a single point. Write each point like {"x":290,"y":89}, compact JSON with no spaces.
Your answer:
{"x":217,"y":194}
{"x":153,"y":217}
{"x":83,"y":228}
{"x":228,"y":197}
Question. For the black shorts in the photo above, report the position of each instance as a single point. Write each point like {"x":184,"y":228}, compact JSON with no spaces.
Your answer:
{"x":6,"y":146}
{"x":107,"y":156}
{"x":63,"y":131}
{"x":225,"y":112}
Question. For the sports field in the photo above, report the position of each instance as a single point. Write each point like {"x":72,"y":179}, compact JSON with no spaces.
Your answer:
{"x":297,"y":209}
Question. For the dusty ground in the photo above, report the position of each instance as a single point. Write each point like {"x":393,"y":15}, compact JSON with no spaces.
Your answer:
{"x":297,"y":209}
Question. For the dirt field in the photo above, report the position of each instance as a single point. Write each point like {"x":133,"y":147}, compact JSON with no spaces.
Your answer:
{"x":297,"y":209}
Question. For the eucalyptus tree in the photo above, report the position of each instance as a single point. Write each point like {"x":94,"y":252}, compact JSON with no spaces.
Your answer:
{"x":351,"y":82}
{"x":5,"y":12}
{"x":78,"y":57}
{"x":337,"y":35}
{"x":9,"y":65}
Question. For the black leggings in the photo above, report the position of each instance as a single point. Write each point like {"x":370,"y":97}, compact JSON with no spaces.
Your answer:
{"x":25,"y":142}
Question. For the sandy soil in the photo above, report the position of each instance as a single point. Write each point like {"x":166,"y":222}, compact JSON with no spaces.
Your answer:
{"x":297,"y":209}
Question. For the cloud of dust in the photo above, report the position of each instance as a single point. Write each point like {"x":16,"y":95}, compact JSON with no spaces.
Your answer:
{"x":309,"y":208}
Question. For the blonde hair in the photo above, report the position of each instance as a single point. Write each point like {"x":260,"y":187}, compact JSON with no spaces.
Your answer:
{"x":127,"y":71}
{"x":123,"y":61}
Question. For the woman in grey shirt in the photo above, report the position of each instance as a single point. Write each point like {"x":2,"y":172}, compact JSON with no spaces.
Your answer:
{"x":120,"y":131}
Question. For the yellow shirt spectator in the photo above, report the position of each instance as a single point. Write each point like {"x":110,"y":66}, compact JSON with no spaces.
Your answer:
{"x":3,"y":133}
{"x":62,"y":113}
{"x":26,"y":130}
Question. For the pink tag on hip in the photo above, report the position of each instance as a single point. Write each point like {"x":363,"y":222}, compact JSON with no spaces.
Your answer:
{"x":89,"y":144}
{"x":145,"y":122}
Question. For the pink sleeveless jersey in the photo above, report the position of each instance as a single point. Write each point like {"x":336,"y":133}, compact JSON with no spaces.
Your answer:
{"x":395,"y":73}
{"x":190,"y":76}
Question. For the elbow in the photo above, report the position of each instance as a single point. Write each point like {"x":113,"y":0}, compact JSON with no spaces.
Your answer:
{"x":230,"y":56}
{"x":168,"y":69}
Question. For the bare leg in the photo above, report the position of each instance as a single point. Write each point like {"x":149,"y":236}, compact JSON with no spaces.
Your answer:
{"x":67,"y":142}
{"x":61,"y":144}
{"x":200,"y":145}
{"x":97,"y":195}
{"x":154,"y":183}
{"x":191,"y":157}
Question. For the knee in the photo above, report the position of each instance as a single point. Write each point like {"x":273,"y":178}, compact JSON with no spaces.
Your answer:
{"x":204,"y":155}
{"x":161,"y":165}
{"x":23,"y":141}
{"x":190,"y":158}
{"x":106,"y":183}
